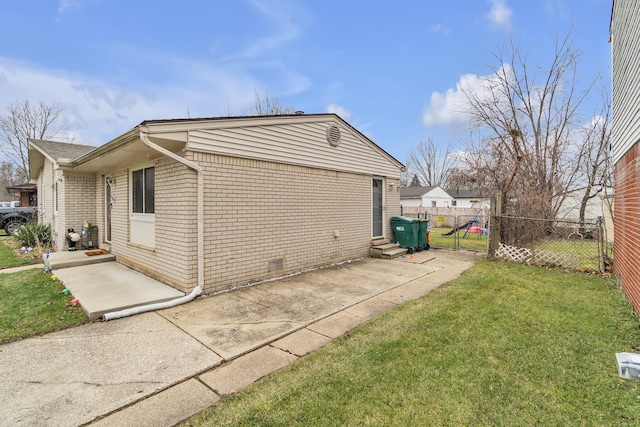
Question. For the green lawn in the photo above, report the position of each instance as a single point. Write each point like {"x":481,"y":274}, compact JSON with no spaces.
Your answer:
{"x":504,"y":344}
{"x":8,"y":257}
{"x":471,"y":241}
{"x":32,"y":301}
{"x":583,"y":253}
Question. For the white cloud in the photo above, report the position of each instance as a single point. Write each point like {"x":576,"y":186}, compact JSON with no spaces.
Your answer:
{"x":451,"y":107}
{"x":500,"y":14}
{"x":158,"y":84}
{"x":285,"y":31}
{"x":341,"y":111}
{"x":96,"y":110}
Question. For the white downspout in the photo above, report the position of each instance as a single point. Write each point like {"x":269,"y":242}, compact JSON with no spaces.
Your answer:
{"x":197,"y":290}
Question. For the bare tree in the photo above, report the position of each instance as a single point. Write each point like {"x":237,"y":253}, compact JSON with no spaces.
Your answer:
{"x":596,"y":168}
{"x":8,"y":178}
{"x":268,"y":104}
{"x":23,"y":122}
{"x":523,"y":121}
{"x":433,"y":164}
{"x":415,"y":181}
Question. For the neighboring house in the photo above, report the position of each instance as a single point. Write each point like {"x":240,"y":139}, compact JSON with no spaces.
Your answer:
{"x":426,"y":197}
{"x":45,"y":159}
{"x":27,"y":194}
{"x":467,"y":198}
{"x":596,"y":206}
{"x":224,"y":202}
{"x":625,"y":146}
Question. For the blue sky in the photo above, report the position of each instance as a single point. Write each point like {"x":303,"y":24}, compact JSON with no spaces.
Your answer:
{"x":391,"y":69}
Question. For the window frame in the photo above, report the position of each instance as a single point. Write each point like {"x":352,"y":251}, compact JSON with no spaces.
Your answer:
{"x":144,"y":196}
{"x":142,"y":224}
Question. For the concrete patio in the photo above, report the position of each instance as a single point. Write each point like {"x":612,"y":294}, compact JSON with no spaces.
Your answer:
{"x":103,"y":286}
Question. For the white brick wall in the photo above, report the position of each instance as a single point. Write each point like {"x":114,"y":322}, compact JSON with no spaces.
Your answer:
{"x":257,"y":214}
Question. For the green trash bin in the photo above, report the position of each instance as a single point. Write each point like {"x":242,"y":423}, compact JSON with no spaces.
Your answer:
{"x":423,"y":234}
{"x":406,"y":231}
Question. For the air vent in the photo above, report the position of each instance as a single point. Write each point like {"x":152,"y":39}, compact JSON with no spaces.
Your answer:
{"x":333,"y":135}
{"x":276,"y":264}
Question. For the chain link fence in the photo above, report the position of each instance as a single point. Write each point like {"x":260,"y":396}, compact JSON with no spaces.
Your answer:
{"x":468,"y":232}
{"x":569,"y":244}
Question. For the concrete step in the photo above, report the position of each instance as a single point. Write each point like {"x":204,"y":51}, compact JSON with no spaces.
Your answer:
{"x":378,"y":242}
{"x":386,"y":246}
{"x":388,"y":250}
{"x":66,"y":259}
{"x":394,"y":253}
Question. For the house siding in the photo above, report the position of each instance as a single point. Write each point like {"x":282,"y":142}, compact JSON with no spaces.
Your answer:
{"x":626,"y":219}
{"x":303,"y":144}
{"x":625,"y":43}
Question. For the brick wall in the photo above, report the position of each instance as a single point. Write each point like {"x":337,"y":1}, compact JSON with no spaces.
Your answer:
{"x":626,"y":220}
{"x":173,"y":259}
{"x":266,"y":220}
{"x":262,"y":220}
{"x":76,"y":195}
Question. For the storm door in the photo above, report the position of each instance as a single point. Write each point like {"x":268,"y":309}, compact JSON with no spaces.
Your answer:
{"x":108,"y":205}
{"x":377,"y":207}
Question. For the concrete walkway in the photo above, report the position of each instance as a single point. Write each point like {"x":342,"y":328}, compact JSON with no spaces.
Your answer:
{"x":160,"y":368}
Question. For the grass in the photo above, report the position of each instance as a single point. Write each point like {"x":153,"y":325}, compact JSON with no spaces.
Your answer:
{"x":8,"y":257}
{"x":504,"y":344}
{"x":585,"y":252}
{"x":472,"y":241}
{"x":32,"y":302}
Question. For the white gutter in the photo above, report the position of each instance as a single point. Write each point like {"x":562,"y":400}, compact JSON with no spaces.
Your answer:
{"x":197,"y":290}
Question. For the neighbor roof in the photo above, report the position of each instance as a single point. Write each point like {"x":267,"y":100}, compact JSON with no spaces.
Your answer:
{"x":414,"y":192}
{"x":464,"y":194}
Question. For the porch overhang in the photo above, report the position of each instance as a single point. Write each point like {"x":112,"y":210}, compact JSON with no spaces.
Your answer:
{"x":122,"y":152}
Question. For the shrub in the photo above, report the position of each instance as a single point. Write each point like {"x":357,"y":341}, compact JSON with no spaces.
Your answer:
{"x":33,"y":235}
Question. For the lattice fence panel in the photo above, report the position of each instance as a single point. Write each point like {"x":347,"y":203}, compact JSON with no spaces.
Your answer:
{"x":514,"y":254}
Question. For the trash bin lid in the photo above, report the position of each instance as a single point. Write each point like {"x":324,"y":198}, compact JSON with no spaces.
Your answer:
{"x":403,"y":219}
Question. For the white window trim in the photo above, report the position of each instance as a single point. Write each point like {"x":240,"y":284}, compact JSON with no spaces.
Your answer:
{"x":141,"y":225}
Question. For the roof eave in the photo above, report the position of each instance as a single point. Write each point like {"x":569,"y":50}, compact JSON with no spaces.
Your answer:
{"x":100,"y":151}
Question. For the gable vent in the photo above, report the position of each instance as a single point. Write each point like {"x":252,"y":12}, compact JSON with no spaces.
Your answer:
{"x":333,"y":135}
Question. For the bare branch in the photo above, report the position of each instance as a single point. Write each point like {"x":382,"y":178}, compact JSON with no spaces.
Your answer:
{"x":432,"y":163}
{"x":23,"y":122}
{"x":268,"y":105}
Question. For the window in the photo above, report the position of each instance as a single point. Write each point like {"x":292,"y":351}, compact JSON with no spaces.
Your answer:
{"x":433,"y":203}
{"x":454,"y":203}
{"x":143,"y":184}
